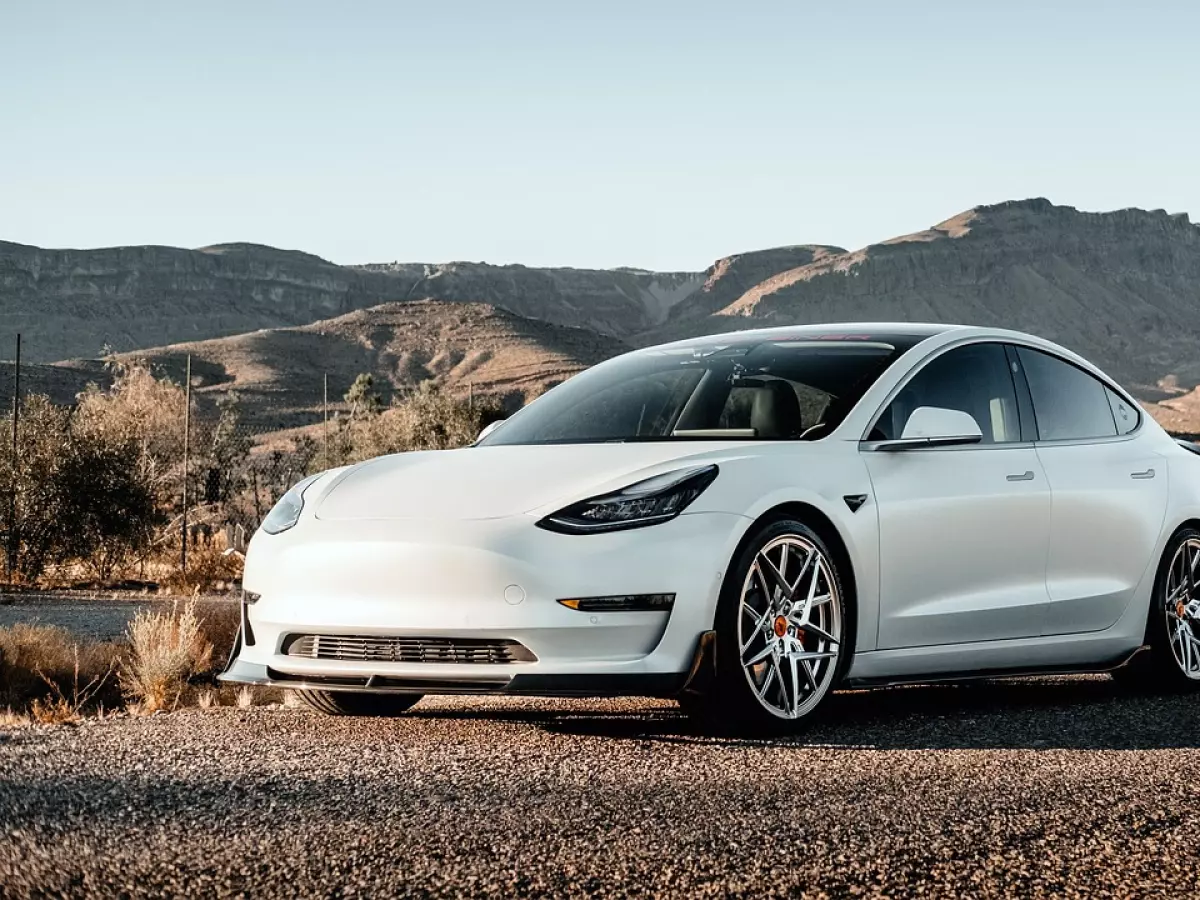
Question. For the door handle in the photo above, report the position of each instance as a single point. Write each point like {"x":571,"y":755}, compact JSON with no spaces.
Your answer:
{"x":1149,"y":473}
{"x":1024,"y":476}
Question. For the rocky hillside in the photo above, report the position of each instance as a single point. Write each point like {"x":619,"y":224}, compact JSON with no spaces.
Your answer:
{"x":1121,"y":288}
{"x":73,"y":303}
{"x":279,"y":373}
{"x":730,"y":278}
{"x":618,"y":302}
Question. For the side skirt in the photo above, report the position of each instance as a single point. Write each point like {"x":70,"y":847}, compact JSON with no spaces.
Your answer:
{"x":977,"y":674}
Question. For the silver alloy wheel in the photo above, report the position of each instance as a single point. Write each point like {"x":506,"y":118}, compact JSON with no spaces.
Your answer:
{"x":1183,"y":607}
{"x":790,"y":626}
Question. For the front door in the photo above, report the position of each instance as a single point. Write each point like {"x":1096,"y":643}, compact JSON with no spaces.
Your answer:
{"x":963,"y":530}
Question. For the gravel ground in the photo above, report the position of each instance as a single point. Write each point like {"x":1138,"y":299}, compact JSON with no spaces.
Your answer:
{"x":1046,"y":787}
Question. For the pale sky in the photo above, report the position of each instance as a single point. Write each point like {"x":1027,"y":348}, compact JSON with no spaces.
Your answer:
{"x":653,"y":134}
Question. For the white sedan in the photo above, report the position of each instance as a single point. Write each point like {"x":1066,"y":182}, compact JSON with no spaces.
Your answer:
{"x":746,"y":522}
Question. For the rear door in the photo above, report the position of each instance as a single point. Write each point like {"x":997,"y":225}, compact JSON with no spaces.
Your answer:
{"x":962,"y":530}
{"x":1108,"y":493}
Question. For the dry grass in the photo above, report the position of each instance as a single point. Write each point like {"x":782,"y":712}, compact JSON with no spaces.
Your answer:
{"x":166,"y":651}
{"x":67,"y":705}
{"x":171,"y":659}
{"x":46,"y":666}
{"x":11,"y":719}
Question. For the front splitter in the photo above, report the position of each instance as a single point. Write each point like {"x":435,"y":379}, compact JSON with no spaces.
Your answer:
{"x":528,"y":684}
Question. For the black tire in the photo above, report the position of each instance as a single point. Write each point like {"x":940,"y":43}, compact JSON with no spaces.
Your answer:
{"x":726,"y":702}
{"x":352,"y":703}
{"x":1159,"y":668}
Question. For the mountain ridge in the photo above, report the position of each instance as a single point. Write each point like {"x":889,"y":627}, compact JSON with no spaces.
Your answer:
{"x":1121,"y":287}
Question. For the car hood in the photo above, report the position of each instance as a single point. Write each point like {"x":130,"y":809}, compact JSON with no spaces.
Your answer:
{"x":491,"y":482}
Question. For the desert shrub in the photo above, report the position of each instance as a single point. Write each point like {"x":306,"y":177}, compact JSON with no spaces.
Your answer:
{"x":219,"y":623}
{"x":144,"y":413}
{"x":43,"y":666}
{"x":79,"y":494}
{"x":107,"y":509}
{"x":427,"y":419}
{"x":166,"y":649}
{"x":209,"y":569}
{"x":362,"y":398}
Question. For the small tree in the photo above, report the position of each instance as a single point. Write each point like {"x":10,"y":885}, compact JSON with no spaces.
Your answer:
{"x":144,"y":412}
{"x":109,"y":509}
{"x":32,"y":475}
{"x":364,"y":402}
{"x":80,"y":496}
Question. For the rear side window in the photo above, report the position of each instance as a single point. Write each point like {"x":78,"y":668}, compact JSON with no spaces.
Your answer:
{"x":1124,"y":412}
{"x":1068,"y":403}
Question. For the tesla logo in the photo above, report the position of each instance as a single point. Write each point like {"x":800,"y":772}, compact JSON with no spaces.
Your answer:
{"x":855,"y":501}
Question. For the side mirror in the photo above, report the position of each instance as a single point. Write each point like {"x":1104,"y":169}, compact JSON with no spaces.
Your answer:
{"x":932,"y":426}
{"x":488,"y":429}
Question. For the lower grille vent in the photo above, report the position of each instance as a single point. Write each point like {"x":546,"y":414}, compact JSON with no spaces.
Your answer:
{"x":389,"y":648}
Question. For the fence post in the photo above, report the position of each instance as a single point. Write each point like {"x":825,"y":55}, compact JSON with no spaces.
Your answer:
{"x":10,"y":559}
{"x":325,"y":415}
{"x":187,"y":433}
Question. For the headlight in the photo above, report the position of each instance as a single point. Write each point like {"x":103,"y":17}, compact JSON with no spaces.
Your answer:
{"x":648,"y":502}
{"x":286,"y":513}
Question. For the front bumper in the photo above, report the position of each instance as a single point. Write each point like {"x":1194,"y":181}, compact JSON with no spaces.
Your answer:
{"x":485,"y":579}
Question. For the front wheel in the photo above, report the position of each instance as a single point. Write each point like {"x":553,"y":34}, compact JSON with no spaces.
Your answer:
{"x":351,"y":703}
{"x":781,"y":633}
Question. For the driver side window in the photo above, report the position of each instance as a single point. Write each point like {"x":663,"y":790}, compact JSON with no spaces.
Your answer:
{"x":974,"y":379}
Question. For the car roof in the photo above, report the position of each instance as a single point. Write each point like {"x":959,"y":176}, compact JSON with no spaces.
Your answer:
{"x":850,"y":330}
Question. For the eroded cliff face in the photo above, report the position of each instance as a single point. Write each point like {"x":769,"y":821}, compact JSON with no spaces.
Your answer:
{"x":72,"y":303}
{"x":1121,"y":288}
{"x":729,"y":278}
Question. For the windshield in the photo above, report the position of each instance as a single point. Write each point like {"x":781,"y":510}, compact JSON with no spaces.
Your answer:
{"x":781,"y":389}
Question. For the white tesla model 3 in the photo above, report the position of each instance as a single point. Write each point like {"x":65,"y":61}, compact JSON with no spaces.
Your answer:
{"x":746,"y":522}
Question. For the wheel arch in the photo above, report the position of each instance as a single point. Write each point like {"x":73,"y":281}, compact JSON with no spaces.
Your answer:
{"x":825,"y":527}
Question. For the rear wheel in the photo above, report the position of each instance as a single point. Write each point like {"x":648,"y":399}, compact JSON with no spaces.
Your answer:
{"x":347,"y":703}
{"x":781,"y":626}
{"x":1173,"y":629}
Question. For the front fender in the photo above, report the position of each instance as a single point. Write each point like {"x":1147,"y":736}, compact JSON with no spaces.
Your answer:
{"x":822,"y":482}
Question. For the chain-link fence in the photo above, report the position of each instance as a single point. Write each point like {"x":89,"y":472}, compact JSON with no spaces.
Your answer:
{"x":126,"y":473}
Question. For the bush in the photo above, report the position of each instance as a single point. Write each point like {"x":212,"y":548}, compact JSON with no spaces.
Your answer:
{"x":144,"y":413}
{"x":166,"y":651}
{"x":428,"y":419}
{"x":79,"y":495}
{"x":219,"y":623}
{"x":209,"y":569}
